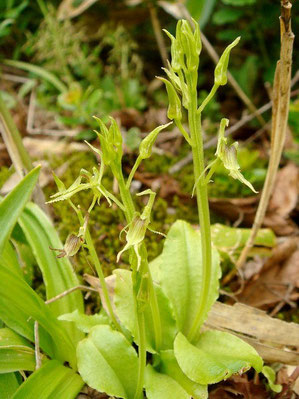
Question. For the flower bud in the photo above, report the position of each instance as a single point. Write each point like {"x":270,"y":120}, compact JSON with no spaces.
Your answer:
{"x":177,"y":59}
{"x":115,"y":137}
{"x":146,"y":145}
{"x":174,"y":108}
{"x":221,"y":68}
{"x":189,"y":46}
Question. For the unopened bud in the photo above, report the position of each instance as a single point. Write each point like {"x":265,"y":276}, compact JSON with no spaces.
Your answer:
{"x":221,"y":68}
{"x":146,"y":145}
{"x":174,"y":108}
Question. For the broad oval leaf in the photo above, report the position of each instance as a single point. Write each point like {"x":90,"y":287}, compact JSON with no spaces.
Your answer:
{"x":169,"y":365}
{"x":107,"y":362}
{"x":216,"y":356}
{"x":52,"y":380}
{"x":13,"y":204}
{"x":181,"y":274}
{"x":125,"y":308}
{"x":58,"y":274}
{"x":83,"y":321}
{"x":161,"y":386}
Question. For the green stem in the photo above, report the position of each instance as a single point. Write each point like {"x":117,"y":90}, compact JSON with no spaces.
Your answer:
{"x":202,"y":204}
{"x":153,"y":305}
{"x":141,"y":354}
{"x":132,"y":173}
{"x":96,"y":262}
{"x":183,"y":131}
{"x":130,"y":210}
{"x":207,"y":99}
{"x":97,"y":265}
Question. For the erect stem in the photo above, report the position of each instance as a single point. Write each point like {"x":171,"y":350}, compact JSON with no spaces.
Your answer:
{"x":141,"y":354}
{"x":97,"y":265}
{"x":202,"y":203}
{"x":130,"y":209}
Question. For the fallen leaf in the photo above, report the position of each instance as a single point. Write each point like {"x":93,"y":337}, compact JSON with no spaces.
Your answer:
{"x":277,"y":280}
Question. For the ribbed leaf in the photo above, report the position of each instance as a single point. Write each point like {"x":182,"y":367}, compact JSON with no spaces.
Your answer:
{"x":13,"y":204}
{"x":216,"y":356}
{"x":181,"y":274}
{"x":107,"y":362}
{"x":58,"y":274}
{"x":51,"y":381}
{"x":20,"y":306}
{"x":16,"y":353}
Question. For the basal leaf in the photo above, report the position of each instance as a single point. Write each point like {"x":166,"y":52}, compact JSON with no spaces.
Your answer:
{"x":16,"y":353}
{"x":169,"y":365}
{"x":107,"y":362}
{"x":216,"y":356}
{"x":12,"y":205}
{"x":232,"y":237}
{"x":20,"y":307}
{"x":51,"y":381}
{"x":125,"y":309}
{"x":58,"y":274}
{"x":161,"y":386}
{"x":269,"y":373}
{"x":83,"y":321}
{"x":181,"y":274}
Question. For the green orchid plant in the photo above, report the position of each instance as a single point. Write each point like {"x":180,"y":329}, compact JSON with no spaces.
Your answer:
{"x":153,"y":342}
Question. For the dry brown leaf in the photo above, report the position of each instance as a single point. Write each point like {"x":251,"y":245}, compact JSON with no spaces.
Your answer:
{"x":277,"y":280}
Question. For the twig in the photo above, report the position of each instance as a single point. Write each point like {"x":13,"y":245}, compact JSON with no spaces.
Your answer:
{"x":280,"y":111}
{"x":69,"y":291}
{"x":157,"y":31}
{"x":38,"y":361}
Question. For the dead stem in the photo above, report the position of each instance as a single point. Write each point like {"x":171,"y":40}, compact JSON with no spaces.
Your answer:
{"x":38,"y":361}
{"x":280,"y":111}
{"x":69,"y":291}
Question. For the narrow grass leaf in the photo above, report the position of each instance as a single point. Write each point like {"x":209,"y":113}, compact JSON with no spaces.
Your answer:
{"x":20,"y":306}
{"x":13,"y":204}
{"x":16,"y":353}
{"x":58,"y":274}
{"x":52,"y":380}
